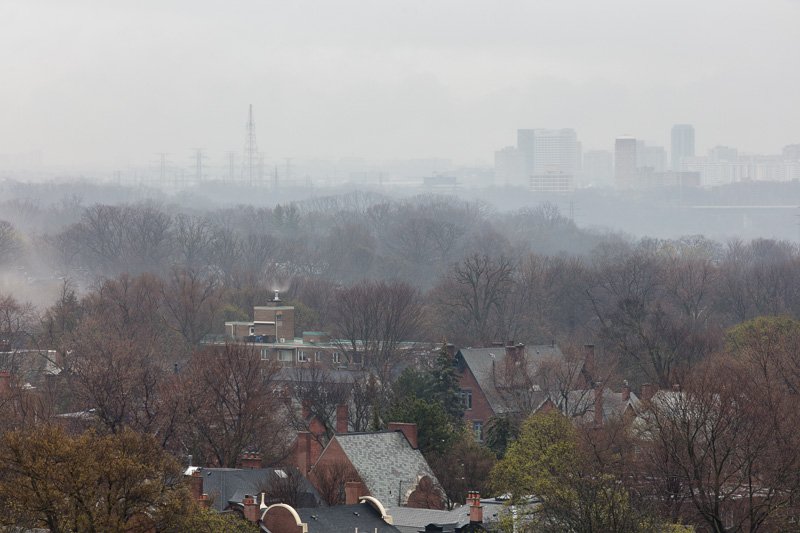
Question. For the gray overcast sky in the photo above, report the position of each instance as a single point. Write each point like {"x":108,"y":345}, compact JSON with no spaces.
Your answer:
{"x":111,"y":82}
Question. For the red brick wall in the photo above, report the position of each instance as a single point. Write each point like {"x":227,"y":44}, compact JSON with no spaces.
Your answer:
{"x":332,"y":457}
{"x":481,"y":411}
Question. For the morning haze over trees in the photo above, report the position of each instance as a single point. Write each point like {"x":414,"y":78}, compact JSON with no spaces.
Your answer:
{"x":112,"y":318}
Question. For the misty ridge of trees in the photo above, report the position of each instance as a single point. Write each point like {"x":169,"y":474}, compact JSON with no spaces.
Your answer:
{"x":133,"y":289}
{"x":452,"y":267}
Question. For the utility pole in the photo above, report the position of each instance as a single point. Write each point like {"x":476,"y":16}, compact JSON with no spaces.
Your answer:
{"x":249,"y":169}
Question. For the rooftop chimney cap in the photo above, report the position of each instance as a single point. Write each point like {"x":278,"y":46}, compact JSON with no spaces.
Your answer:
{"x":276,"y":298}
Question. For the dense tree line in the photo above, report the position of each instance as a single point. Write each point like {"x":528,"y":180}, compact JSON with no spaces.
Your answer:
{"x":140,"y":289}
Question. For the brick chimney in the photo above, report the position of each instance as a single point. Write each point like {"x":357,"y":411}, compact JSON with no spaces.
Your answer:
{"x":676,"y":388}
{"x":626,"y":392}
{"x":342,"y":420}
{"x":352,"y":492}
{"x":598,"y":404}
{"x":475,"y":508}
{"x":251,"y":509}
{"x":196,"y":488}
{"x":303,"y":452}
{"x":5,"y":382}
{"x":647,"y":392}
{"x":251,"y":460}
{"x":409,"y":430}
{"x":588,"y":364}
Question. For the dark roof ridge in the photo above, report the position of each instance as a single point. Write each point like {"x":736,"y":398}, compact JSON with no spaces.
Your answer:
{"x":382,"y":431}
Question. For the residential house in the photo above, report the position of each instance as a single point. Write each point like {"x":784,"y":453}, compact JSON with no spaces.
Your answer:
{"x":501,"y":380}
{"x":224,"y":489}
{"x":388,"y":463}
{"x":595,"y":405}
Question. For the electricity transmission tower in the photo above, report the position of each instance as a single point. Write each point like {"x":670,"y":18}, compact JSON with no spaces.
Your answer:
{"x":163,"y":179}
{"x":198,"y":165}
{"x":250,"y":162}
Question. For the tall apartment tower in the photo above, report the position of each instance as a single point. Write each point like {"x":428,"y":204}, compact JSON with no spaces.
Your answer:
{"x":624,"y":162}
{"x":525,"y":145}
{"x":510,"y":169}
{"x":555,"y":151}
{"x":598,"y":168}
{"x":682,"y":144}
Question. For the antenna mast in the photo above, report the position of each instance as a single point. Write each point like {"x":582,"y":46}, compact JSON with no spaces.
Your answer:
{"x":250,"y":164}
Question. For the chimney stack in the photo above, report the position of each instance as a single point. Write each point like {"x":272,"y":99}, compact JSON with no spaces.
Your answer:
{"x":676,"y":387}
{"x":409,"y":430}
{"x":475,"y":508}
{"x":196,"y":488}
{"x":251,"y":508}
{"x":598,"y":404}
{"x":251,"y":460}
{"x":342,"y":420}
{"x":588,"y":364}
{"x":352,"y":492}
{"x":626,"y":392}
{"x":276,"y":301}
{"x":303,"y":452}
{"x":647,"y":392}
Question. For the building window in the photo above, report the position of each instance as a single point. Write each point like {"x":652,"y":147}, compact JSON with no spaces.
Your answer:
{"x":477,"y":427}
{"x":337,"y":358}
{"x":264,"y":354}
{"x":284,"y":355}
{"x":466,"y":398}
{"x":301,"y":355}
{"x":317,"y":357}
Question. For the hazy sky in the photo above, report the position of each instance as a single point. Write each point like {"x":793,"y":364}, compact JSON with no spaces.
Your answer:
{"x":112,"y":82}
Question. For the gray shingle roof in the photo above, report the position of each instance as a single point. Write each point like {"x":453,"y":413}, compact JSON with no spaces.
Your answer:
{"x":387,"y":464}
{"x":345,"y":518}
{"x":230,"y":485}
{"x":486,"y":363}
{"x":410,"y":520}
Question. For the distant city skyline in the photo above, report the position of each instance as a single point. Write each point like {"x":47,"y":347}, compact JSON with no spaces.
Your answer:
{"x":112,"y":84}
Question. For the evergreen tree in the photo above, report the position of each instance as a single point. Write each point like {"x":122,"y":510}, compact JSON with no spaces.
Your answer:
{"x":445,"y":385}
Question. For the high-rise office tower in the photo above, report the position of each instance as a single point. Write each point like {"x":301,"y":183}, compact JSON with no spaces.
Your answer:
{"x":510,"y":168}
{"x":682,"y":144}
{"x":652,"y":157}
{"x":525,"y":145}
{"x":598,"y":168}
{"x":555,"y":151}
{"x":550,"y":150}
{"x":624,"y":162}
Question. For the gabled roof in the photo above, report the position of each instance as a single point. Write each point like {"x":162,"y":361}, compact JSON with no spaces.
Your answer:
{"x":387,"y":464}
{"x":226,"y":486}
{"x":486,"y":365}
{"x":345,"y":518}
{"x":579,"y":404}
